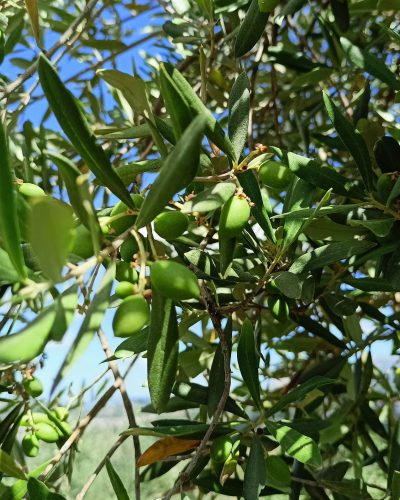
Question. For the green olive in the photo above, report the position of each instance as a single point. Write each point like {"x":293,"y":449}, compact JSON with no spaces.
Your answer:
{"x":171,"y":225}
{"x":125,"y":222}
{"x":30,"y":445}
{"x":275,"y":175}
{"x":83,"y":244}
{"x":124,"y":272}
{"x":33,"y":387}
{"x":124,"y":289}
{"x":174,"y":280}
{"x":234,"y":216}
{"x":37,"y":417}
{"x":31,"y":190}
{"x":64,"y":430}
{"x":46,"y":432}
{"x":221,"y":449}
{"x":131,"y":316}
{"x":278,"y":307}
{"x":61,"y":413}
{"x":128,"y":249}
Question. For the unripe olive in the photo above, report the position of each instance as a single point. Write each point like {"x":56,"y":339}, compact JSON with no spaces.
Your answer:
{"x":30,"y":445}
{"x":174,"y":280}
{"x":124,"y":289}
{"x":46,"y":432}
{"x":122,"y":224}
{"x":171,"y":225}
{"x":275,"y":175}
{"x":234,"y":216}
{"x":83,"y":244}
{"x":124,"y":272}
{"x":278,"y":307}
{"x":128,"y":249}
{"x":31,"y":190}
{"x":33,"y":387}
{"x":37,"y":417}
{"x":131,"y":316}
{"x":66,"y":429}
{"x":221,"y":449}
{"x":384,"y":187}
{"x":61,"y":413}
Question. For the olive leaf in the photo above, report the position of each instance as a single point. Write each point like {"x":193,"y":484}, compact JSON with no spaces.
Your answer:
{"x":210,"y":199}
{"x":248,"y":361}
{"x":340,"y":9}
{"x":255,"y":472}
{"x":239,"y":109}
{"x":251,"y":29}
{"x":116,"y":482}
{"x":9,"y":467}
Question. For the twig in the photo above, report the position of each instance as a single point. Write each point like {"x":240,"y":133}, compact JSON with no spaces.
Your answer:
{"x":127,"y":405}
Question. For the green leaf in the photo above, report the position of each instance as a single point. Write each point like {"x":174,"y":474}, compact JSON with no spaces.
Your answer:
{"x":29,"y":342}
{"x":133,"y":345}
{"x":251,"y":29}
{"x":9,"y":228}
{"x":394,"y":453}
{"x":177,"y":172}
{"x":370,"y":284}
{"x":8,"y":421}
{"x":390,"y":33}
{"x":267,"y":5}
{"x":370,"y":63}
{"x":278,"y":473}
{"x":248,"y":361}
{"x":133,"y":88}
{"x":210,"y":199}
{"x":340,"y":9}
{"x":173,"y":429}
{"x":39,"y":491}
{"x":65,"y":306}
{"x":317,"y":329}
{"x":239,"y":109}
{"x":395,"y":486}
{"x":116,"y":482}
{"x":90,"y":324}
{"x":9,"y":467}
{"x":51,"y":234}
{"x":327,"y":254}
{"x":162,"y":351}
{"x":301,"y":447}
{"x":379,"y":227}
{"x":298,"y":393}
{"x":8,"y":273}
{"x":255,"y":472}
{"x":353,"y":141}
{"x":196,"y":107}
{"x":73,"y":123}
{"x":288,"y":283}
{"x":130,"y":171}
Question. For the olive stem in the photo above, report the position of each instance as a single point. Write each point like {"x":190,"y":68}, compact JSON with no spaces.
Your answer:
{"x":143,"y":262}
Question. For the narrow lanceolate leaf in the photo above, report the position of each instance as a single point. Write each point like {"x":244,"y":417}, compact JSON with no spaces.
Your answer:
{"x":327,"y":254}
{"x":239,"y":108}
{"x":29,"y":342}
{"x":51,"y":232}
{"x":299,"y":393}
{"x":251,"y":29}
{"x":9,"y":467}
{"x":39,"y":491}
{"x":210,"y":199}
{"x":255,"y":473}
{"x":370,"y":63}
{"x":9,"y":228}
{"x":73,"y":123}
{"x":33,"y":13}
{"x":178,"y":171}
{"x":165,"y":448}
{"x":133,"y":88}
{"x":65,"y":305}
{"x":340,"y":9}
{"x":394,"y":453}
{"x":186,"y":93}
{"x":267,"y":5}
{"x":297,"y":445}
{"x":91,"y":323}
{"x":353,"y":141}
{"x":162,"y":351}
{"x":116,"y":482}
{"x":248,"y":360}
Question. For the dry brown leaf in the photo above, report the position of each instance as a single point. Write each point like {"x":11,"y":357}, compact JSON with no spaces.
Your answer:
{"x":164,"y":448}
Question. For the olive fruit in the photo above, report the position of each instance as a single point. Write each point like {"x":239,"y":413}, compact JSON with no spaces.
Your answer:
{"x":30,"y":445}
{"x":37,"y":417}
{"x":124,"y":272}
{"x":387,"y":154}
{"x":33,"y":387}
{"x":124,"y":222}
{"x":124,"y":289}
{"x":384,"y":187}
{"x":278,"y":307}
{"x":61,"y":413}
{"x":128,"y":249}
{"x":131,"y":316}
{"x":46,"y":432}
{"x":234,"y":216}
{"x":274,"y":174}
{"x":64,"y":429}
{"x":174,"y":280}
{"x":221,"y":449}
{"x":31,"y":190}
{"x":82,"y":245}
{"x":171,"y":225}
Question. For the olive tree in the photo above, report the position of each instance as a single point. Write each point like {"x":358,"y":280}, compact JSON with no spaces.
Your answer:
{"x":231,"y":196}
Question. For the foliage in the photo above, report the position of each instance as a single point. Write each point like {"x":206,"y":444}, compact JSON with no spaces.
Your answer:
{"x":263,"y":138}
